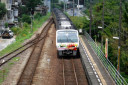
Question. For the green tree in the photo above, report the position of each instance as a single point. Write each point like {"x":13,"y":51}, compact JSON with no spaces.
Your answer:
{"x":26,"y":18}
{"x":126,"y":13}
{"x":23,"y":10}
{"x":31,"y":4}
{"x":111,"y":20}
{"x":2,"y":10}
{"x":55,"y":1}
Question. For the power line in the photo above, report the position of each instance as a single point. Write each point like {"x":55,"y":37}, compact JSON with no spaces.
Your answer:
{"x":117,"y":30}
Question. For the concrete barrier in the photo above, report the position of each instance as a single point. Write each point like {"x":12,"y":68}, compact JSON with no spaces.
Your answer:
{"x":89,"y":73}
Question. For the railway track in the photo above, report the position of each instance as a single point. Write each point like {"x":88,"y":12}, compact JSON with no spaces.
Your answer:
{"x":29,"y":70}
{"x":73,"y":73}
{"x":21,"y":49}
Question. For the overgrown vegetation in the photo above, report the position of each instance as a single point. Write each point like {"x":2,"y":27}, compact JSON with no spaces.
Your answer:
{"x":5,"y":70}
{"x":26,"y":18}
{"x":80,"y":22}
{"x":23,"y":33}
{"x":28,"y":24}
{"x":57,"y":4}
{"x":111,"y":19}
{"x":30,"y":6}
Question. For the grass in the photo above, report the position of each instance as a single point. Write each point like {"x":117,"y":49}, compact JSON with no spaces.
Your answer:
{"x":23,"y":34}
{"x":4,"y":72}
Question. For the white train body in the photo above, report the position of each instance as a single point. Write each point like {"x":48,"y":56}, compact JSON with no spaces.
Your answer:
{"x":65,"y":25}
{"x":67,"y":38}
{"x":67,"y":42}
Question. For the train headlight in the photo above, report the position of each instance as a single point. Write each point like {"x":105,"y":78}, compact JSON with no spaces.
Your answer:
{"x":76,"y":45}
{"x":62,"y":45}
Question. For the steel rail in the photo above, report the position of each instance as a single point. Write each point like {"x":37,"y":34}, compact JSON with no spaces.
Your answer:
{"x":76,"y":80}
{"x":63,"y":71}
{"x":26,"y":79}
{"x":4,"y":60}
{"x":18,"y":51}
{"x":74,"y":71}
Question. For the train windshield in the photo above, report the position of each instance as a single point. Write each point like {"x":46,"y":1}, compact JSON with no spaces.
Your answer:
{"x":67,"y":37}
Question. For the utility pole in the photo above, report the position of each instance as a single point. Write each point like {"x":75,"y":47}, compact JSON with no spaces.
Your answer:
{"x":119,"y":42}
{"x":84,"y":2}
{"x":64,"y":5}
{"x":78,"y":8}
{"x":102,"y":26}
{"x":90,"y":17}
{"x":31,"y":21}
{"x":73,"y":7}
{"x":51,"y":4}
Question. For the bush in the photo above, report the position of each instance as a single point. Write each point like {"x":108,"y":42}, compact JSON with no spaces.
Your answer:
{"x":23,"y":10}
{"x":6,"y":25}
{"x":38,"y":16}
{"x":26,"y":18}
{"x":15,"y":30}
{"x":26,"y":26}
{"x":79,"y":22}
{"x":24,"y":29}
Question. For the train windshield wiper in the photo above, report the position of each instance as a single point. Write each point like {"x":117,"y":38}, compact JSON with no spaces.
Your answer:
{"x":67,"y":38}
{"x":71,"y":40}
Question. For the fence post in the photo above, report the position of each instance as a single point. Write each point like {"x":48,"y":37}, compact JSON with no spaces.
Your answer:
{"x":116,"y":78}
{"x":119,"y":80}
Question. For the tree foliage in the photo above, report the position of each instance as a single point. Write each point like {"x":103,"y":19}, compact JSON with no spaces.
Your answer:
{"x":111,"y":28}
{"x":23,"y":10}
{"x":31,"y":4}
{"x":27,"y":9}
{"x":2,"y":10}
{"x":56,"y":4}
{"x":126,"y":13}
{"x":111,"y":19}
{"x":26,"y":18}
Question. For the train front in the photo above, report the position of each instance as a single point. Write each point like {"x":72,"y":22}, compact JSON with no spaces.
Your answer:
{"x":67,"y":42}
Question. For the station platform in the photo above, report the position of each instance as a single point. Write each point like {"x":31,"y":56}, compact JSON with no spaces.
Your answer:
{"x":94,"y":69}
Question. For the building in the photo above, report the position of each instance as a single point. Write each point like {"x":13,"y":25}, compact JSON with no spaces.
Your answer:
{"x":41,"y":9}
{"x":12,"y":11}
{"x":47,"y":3}
{"x":63,"y":1}
{"x":81,"y":2}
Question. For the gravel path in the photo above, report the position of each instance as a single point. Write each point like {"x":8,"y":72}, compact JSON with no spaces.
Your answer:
{"x":48,"y":66}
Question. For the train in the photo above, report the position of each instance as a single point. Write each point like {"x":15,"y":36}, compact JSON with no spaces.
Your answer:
{"x":67,"y":36}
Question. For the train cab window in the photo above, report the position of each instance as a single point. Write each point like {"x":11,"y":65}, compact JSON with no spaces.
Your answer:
{"x":67,"y":37}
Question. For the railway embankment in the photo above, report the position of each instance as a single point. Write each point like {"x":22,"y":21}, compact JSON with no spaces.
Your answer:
{"x":24,"y":33}
{"x":16,"y":67}
{"x":95,"y":71}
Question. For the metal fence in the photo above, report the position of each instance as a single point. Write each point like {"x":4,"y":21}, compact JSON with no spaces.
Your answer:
{"x":119,"y":80}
